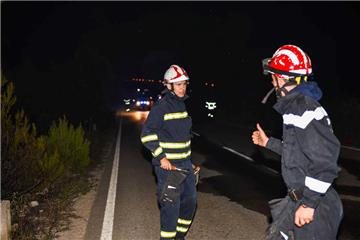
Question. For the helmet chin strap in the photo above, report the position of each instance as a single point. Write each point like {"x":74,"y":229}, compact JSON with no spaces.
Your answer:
{"x":172,"y":86}
{"x":282,"y":89}
{"x":170,"y":90}
{"x":267,"y":96}
{"x":278,"y":90}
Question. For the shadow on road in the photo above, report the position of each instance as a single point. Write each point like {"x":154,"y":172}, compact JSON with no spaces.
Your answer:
{"x":252,"y":187}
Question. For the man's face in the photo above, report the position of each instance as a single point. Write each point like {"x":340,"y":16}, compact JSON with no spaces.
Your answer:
{"x":179,"y":88}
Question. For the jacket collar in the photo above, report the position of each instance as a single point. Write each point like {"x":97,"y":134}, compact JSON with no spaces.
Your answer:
{"x":172,"y":95}
{"x":284,"y":102}
{"x":310,"y":89}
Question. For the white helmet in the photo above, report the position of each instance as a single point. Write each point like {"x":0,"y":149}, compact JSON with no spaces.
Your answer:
{"x":175,"y":74}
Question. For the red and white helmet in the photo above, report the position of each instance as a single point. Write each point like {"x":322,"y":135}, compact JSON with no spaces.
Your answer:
{"x":175,"y":74}
{"x":288,"y":62}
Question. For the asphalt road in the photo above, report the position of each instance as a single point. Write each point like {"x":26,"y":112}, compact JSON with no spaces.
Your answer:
{"x":252,"y":185}
{"x":232,"y":194}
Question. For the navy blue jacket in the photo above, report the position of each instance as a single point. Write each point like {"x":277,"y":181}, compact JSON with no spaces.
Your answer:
{"x":167,"y":130}
{"x":309,"y":148}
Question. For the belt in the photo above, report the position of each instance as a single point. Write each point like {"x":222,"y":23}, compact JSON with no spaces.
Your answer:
{"x":295,"y":194}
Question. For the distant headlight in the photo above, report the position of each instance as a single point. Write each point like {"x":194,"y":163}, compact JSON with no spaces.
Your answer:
{"x":137,"y":103}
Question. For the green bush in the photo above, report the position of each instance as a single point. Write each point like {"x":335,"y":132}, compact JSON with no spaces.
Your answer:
{"x":38,"y":167}
{"x":20,"y":148}
{"x":50,"y":164}
{"x":71,"y":145}
{"x":31,"y":162}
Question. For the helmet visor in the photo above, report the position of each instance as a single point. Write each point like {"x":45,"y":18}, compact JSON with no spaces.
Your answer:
{"x":265,"y":65}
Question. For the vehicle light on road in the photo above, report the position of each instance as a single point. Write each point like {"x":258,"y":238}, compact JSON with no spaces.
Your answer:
{"x":210,"y":105}
{"x":127,"y":101}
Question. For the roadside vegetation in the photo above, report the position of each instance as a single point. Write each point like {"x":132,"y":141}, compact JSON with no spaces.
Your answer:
{"x":41,"y":174}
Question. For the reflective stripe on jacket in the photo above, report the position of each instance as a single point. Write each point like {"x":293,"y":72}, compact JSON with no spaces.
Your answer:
{"x":309,"y":148}
{"x":167,"y":130}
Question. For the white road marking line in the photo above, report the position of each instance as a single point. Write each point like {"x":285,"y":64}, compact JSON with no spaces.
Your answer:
{"x":251,"y":160}
{"x":349,"y":197}
{"x":196,"y":134}
{"x":269,"y":170}
{"x":351,"y":148}
{"x":240,"y":154}
{"x":107,"y":227}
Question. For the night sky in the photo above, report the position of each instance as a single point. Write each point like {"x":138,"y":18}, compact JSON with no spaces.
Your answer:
{"x":72,"y":57}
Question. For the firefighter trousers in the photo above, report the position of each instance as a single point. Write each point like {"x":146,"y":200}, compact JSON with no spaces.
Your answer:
{"x":176,"y":217}
{"x":327,"y":218}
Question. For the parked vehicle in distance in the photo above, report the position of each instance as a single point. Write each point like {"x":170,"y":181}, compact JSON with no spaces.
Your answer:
{"x":143,"y":104}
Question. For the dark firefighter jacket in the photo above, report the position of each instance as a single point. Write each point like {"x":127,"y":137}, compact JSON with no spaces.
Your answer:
{"x":167,"y":130}
{"x":309,"y":148}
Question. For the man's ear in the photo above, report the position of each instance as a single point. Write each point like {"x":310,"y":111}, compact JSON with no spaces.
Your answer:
{"x":168,"y":86}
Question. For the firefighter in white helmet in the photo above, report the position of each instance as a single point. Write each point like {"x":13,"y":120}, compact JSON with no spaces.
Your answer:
{"x":167,"y":134}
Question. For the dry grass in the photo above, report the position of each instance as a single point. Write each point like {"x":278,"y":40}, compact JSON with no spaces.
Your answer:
{"x":54,"y":211}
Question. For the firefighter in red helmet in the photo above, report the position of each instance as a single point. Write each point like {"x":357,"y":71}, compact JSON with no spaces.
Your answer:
{"x":309,"y":152}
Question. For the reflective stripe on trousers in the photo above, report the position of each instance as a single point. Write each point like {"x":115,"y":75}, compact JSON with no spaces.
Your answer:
{"x":177,"y":216}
